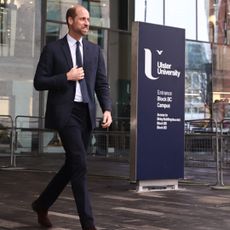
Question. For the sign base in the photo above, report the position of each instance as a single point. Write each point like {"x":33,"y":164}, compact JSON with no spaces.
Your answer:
{"x":156,"y":185}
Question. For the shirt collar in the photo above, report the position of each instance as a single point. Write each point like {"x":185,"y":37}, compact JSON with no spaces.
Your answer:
{"x":72,"y":41}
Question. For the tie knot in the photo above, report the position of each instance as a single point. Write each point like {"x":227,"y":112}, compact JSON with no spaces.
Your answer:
{"x":78,"y":43}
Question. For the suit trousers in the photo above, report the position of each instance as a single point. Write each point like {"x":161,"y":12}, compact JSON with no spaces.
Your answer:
{"x":75,"y":137}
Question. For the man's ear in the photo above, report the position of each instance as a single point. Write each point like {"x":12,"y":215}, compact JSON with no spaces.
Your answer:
{"x":70,"y":20}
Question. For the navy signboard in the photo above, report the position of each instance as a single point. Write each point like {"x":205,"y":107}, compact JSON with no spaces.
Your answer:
{"x":157,"y":112}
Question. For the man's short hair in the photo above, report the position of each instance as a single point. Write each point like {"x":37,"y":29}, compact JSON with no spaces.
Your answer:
{"x":71,"y":12}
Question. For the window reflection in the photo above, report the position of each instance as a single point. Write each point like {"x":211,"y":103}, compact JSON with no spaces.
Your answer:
{"x":19,"y":48}
{"x":183,"y":15}
{"x":99,"y":12}
{"x":221,"y":80}
{"x":55,"y":31}
{"x":206,"y":20}
{"x":219,"y":21}
{"x":17,"y":34}
{"x":150,"y":11}
{"x":198,"y":81}
{"x":97,"y":36}
{"x":8,"y":14}
{"x":56,"y":9}
{"x":119,"y":72}
{"x":223,"y":21}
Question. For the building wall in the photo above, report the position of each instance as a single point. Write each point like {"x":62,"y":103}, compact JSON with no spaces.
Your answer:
{"x":27,"y":25}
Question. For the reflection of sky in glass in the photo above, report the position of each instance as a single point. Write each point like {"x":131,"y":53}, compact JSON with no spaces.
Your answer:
{"x":203,"y":16}
{"x":182,"y":14}
{"x":178,"y":13}
{"x":152,"y":13}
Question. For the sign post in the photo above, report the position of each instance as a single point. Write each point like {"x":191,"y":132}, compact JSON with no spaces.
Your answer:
{"x":157,"y":106}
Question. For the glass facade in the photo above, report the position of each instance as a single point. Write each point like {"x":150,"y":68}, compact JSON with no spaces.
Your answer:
{"x":27,"y":25}
{"x":198,"y":98}
{"x":183,"y":15}
{"x":207,"y":76}
{"x":19,"y":50}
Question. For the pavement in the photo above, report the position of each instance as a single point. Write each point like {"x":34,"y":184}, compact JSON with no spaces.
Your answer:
{"x":196,"y":205}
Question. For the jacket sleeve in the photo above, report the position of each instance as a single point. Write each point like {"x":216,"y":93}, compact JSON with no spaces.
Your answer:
{"x":102,"y":86}
{"x":45,"y":77}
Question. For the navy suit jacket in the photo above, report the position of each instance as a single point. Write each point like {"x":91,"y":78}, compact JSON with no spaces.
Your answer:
{"x":55,"y":61}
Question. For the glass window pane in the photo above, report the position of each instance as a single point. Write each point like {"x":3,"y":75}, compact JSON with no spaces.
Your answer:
{"x":119,"y":72}
{"x":99,"y":11}
{"x":154,"y":11}
{"x":56,"y":9}
{"x":150,"y":11}
{"x":182,"y":14}
{"x":139,"y":11}
{"x":55,"y":31}
{"x":221,"y":79}
{"x":205,"y":21}
{"x":19,"y":49}
{"x":198,"y":81}
{"x":222,"y":30}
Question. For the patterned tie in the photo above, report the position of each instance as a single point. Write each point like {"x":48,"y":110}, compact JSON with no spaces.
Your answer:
{"x":84,"y":91}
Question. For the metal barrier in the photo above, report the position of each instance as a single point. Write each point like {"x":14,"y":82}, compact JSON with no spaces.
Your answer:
{"x":203,"y":145}
{"x":114,"y":144}
{"x":207,"y":143}
{"x":201,"y":141}
{"x":31,"y":137}
{"x":223,"y":159}
{"x":27,"y":133}
{"x":7,"y":135}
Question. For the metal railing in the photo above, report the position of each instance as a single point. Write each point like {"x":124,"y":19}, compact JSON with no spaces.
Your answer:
{"x":201,"y":141}
{"x":31,"y":139}
{"x":7,"y":136}
{"x":30,"y":135}
{"x":207,"y":143}
{"x":112,"y":142}
{"x":27,"y":133}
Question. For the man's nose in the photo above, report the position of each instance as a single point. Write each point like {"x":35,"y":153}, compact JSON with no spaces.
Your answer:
{"x":86,"y":21}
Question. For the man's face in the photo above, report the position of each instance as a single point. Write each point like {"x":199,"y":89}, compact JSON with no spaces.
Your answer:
{"x":79,"y":25}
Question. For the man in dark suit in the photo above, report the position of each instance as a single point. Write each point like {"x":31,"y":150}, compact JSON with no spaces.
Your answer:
{"x":63,"y":67}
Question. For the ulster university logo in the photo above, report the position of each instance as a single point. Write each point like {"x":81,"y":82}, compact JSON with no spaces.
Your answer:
{"x":163,"y":68}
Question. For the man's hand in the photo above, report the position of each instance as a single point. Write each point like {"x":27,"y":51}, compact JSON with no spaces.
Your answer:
{"x":75,"y":74}
{"x":107,"y":119}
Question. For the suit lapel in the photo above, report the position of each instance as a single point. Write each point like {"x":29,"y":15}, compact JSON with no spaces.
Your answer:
{"x":66,"y":51}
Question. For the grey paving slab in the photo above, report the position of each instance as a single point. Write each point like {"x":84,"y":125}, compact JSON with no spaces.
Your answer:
{"x":116,"y":204}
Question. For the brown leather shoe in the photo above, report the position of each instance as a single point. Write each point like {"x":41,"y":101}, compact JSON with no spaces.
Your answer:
{"x":43,"y":219}
{"x":92,"y":228}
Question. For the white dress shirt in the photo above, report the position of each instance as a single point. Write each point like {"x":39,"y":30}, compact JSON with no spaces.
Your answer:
{"x":72,"y":46}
